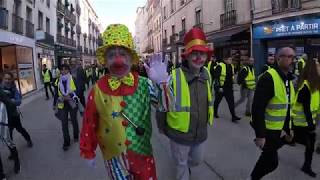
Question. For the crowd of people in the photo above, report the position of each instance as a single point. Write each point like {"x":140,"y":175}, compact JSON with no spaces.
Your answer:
{"x":282,"y":102}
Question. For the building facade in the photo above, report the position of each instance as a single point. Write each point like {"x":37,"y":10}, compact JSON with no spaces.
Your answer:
{"x":17,"y":43}
{"x":141,"y":30}
{"x":90,"y":33}
{"x":178,"y":17}
{"x":278,"y":23}
{"x":45,"y":25}
{"x":37,"y":32}
{"x":227,"y":26}
{"x":65,"y":44}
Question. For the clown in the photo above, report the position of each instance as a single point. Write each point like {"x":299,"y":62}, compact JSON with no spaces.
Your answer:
{"x":189,"y":109}
{"x":117,"y":115}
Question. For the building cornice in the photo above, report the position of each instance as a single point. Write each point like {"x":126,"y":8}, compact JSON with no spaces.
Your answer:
{"x":179,"y":9}
{"x":286,"y":15}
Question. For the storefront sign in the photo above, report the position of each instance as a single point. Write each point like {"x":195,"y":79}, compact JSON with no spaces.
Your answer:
{"x":287,"y":28}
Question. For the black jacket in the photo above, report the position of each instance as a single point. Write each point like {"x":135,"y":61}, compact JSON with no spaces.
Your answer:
{"x":11,"y":107}
{"x":263,"y":94}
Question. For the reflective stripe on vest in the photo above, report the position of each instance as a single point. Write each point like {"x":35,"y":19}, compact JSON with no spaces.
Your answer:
{"x":72,"y":87}
{"x":299,"y":118}
{"x":179,"y":119}
{"x":46,"y":76}
{"x":276,"y":110}
{"x":250,"y":79}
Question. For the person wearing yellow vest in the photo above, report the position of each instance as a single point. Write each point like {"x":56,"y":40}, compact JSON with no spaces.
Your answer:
{"x":300,"y":64}
{"x":269,"y":64}
{"x":47,"y":77}
{"x":66,"y":104}
{"x":272,"y":112}
{"x":211,"y":66}
{"x":224,"y":74}
{"x":88,"y":74}
{"x":305,"y":111}
{"x":118,"y":112}
{"x":186,"y":118}
{"x":247,"y":81}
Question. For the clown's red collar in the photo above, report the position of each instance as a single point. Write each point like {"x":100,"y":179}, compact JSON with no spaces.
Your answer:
{"x":123,"y":90}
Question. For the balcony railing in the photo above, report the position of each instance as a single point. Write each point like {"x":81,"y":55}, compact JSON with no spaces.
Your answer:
{"x":79,"y":48}
{"x":61,"y":39}
{"x":228,"y":19}
{"x":181,"y":34}
{"x":172,"y":39}
{"x":3,"y":18}
{"x":17,"y":24}
{"x":164,"y":41}
{"x":78,"y":9}
{"x":78,"y":29}
{"x":279,"y":6}
{"x":60,"y":7}
{"x":73,"y":18}
{"x":45,"y":37}
{"x":199,"y":25}
{"x":29,"y":29}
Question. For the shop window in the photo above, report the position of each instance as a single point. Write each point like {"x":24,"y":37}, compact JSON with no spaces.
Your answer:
{"x":40,"y":20}
{"x":2,"y":4}
{"x":25,"y":69}
{"x":19,"y":61}
{"x":228,"y":5}
{"x":47,"y":25}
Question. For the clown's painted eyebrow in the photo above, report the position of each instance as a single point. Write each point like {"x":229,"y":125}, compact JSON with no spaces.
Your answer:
{"x":116,"y":50}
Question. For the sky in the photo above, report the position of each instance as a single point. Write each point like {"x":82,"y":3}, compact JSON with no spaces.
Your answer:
{"x":117,"y":11}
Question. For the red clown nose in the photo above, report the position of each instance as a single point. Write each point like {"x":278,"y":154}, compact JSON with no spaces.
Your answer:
{"x":119,"y":60}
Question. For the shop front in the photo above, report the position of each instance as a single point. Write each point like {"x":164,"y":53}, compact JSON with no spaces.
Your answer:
{"x":17,"y":57}
{"x":233,"y":43}
{"x":302,"y":33}
{"x":65,"y":55}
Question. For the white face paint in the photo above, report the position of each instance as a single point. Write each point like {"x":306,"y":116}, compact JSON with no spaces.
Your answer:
{"x":196,"y":59}
{"x":118,"y":61}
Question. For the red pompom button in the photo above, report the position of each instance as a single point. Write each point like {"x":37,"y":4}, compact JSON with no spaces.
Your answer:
{"x":123,"y":104}
{"x":127,"y":143}
{"x":125,"y":123}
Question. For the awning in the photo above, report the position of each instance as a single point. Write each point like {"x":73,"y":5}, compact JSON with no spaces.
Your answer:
{"x":225,"y":35}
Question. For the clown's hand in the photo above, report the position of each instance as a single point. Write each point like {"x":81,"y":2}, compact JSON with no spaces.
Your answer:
{"x":91,"y":163}
{"x":157,"y":70}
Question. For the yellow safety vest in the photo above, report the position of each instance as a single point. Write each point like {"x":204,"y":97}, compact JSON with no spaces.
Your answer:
{"x":224,"y":73}
{"x":301,"y":60}
{"x":299,"y":118}
{"x":276,"y":110}
{"x":251,"y":78}
{"x":180,"y":118}
{"x":89,"y":72}
{"x":72,"y":87}
{"x":46,"y":76}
